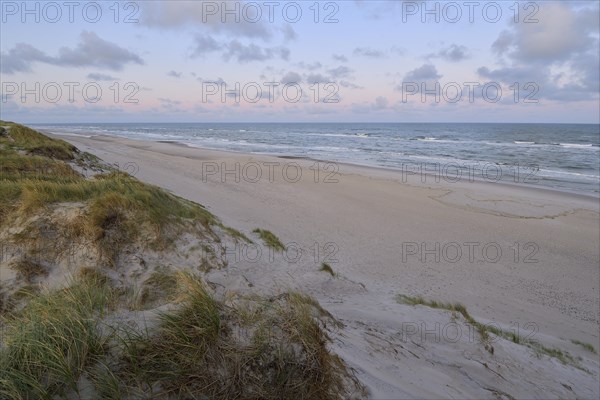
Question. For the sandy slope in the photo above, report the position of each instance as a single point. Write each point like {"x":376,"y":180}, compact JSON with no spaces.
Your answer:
{"x":370,"y":226}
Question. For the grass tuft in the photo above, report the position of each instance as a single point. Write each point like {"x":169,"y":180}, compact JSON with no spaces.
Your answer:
{"x":34,"y":176}
{"x":270,"y":239}
{"x":327,"y":268}
{"x":485,"y":329}
{"x":267,"y":349}
{"x":23,"y":138}
{"x":92,"y":276}
{"x":28,"y":270}
{"x":234,"y":233}
{"x":586,"y":346}
{"x":160,"y":285}
{"x":47,"y":346}
{"x":454,"y":307}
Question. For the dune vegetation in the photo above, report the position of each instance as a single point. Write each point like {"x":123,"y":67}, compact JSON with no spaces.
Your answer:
{"x":485,"y":330}
{"x":89,"y":309}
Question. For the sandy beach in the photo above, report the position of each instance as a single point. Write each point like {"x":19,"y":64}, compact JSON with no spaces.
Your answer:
{"x":521,"y":258}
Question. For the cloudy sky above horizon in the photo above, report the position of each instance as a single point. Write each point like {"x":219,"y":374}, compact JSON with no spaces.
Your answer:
{"x":278,"y":61}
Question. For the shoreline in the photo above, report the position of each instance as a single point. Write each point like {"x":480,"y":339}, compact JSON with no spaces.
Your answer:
{"x":428,"y":175}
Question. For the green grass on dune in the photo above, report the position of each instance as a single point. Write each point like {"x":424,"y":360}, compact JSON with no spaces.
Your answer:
{"x":270,"y":239}
{"x":116,"y":209}
{"x":259,"y":348}
{"x":327,"y":268}
{"x":30,"y":182}
{"x":485,"y":329}
{"x":455,"y":307}
{"x":16,"y":167}
{"x":237,"y":235}
{"x":198,"y":351}
{"x":20,"y":137}
{"x":115,"y":189}
{"x":105,"y":190}
{"x":47,"y":346}
{"x":589,"y":347}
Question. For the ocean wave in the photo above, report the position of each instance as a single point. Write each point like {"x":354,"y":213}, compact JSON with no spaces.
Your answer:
{"x":329,"y":134}
{"x":333,"y":148}
{"x":72,"y":134}
{"x":438,"y":140}
{"x":553,"y":172}
{"x":577,"y":145}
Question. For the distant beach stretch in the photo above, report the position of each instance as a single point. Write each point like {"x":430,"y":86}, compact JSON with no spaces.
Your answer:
{"x":562,"y":156}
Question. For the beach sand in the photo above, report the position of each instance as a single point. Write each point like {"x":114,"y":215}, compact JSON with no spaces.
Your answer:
{"x":523,"y":258}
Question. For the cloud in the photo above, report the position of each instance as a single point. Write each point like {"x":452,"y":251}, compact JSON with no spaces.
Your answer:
{"x":349,"y":85}
{"x":209,"y":15}
{"x":454,"y":53}
{"x":169,"y":104}
{"x":381,"y":103}
{"x":340,"y":58}
{"x":289,"y":33}
{"x":340,"y":72}
{"x":235,"y":49}
{"x":503,"y":43}
{"x":204,"y":44}
{"x":561,"y":86}
{"x":101,"y":77}
{"x":559,"y":52}
{"x":318,"y":110}
{"x":560,"y":33}
{"x":509,"y":75}
{"x":91,"y":51}
{"x":218,"y":81}
{"x":309,"y":67}
{"x":66,"y":112}
{"x":174,"y":74}
{"x":398,"y":50}
{"x":426,"y":72}
{"x":586,"y":67}
{"x":20,"y":58}
{"x":247,"y":53}
{"x":317,"y":78}
{"x":291,"y":77}
{"x":165,"y":100}
{"x":368,"y":52}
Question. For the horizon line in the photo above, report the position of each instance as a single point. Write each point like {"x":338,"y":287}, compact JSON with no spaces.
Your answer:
{"x":309,"y":122}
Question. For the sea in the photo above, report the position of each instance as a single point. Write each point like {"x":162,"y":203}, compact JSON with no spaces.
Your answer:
{"x":560,"y":156}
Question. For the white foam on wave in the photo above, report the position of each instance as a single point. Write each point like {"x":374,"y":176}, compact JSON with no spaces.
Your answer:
{"x":576,"y":145}
{"x":552,"y":172}
{"x":72,"y":134}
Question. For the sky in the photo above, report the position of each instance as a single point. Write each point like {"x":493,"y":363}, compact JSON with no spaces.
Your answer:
{"x":303,"y":61}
